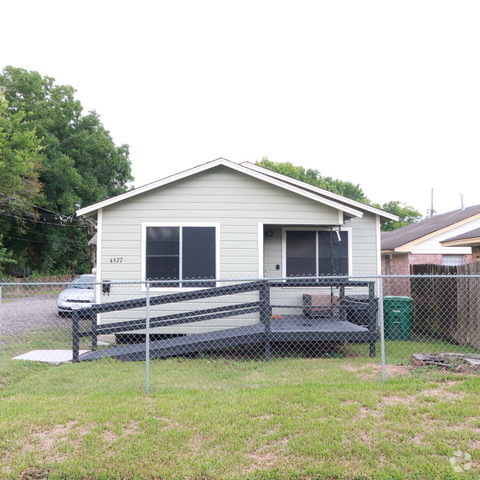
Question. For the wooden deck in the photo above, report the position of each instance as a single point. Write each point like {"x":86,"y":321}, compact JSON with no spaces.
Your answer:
{"x":293,"y":328}
{"x":271,"y":328}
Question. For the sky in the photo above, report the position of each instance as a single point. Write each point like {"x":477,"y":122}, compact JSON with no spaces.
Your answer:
{"x":384,"y":94}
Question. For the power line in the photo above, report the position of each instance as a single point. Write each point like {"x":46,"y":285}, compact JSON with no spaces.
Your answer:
{"x":41,"y":221}
{"x":37,"y":241}
{"x":55,"y":214}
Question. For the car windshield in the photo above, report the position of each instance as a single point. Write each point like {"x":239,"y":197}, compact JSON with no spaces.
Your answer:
{"x":83,"y":282}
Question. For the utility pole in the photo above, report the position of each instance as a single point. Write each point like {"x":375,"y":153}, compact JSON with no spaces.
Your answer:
{"x":432,"y":211}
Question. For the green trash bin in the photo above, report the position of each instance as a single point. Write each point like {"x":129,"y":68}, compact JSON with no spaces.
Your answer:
{"x":397,"y":317}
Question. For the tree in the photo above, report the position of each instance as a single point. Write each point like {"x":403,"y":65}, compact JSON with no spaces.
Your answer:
{"x":19,"y":163}
{"x":313,"y":177}
{"x":405,"y":213}
{"x":79,"y":165}
{"x":19,"y":159}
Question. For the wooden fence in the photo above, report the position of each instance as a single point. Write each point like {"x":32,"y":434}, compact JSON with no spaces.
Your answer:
{"x":447,"y":306}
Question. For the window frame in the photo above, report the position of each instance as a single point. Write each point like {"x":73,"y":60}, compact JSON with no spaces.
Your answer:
{"x":348,"y":230}
{"x":179,"y":225}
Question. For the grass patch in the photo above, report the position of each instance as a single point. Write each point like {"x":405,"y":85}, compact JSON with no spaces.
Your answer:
{"x":213,"y":418}
{"x":325,"y":415}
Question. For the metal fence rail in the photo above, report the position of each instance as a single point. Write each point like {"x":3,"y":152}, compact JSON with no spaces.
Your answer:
{"x":345,"y":329}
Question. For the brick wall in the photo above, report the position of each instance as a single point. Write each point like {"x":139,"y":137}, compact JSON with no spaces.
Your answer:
{"x":399,"y":264}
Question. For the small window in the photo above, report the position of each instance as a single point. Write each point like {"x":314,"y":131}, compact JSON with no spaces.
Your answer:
{"x":317,"y":253}
{"x":179,"y":254}
{"x":452,"y":260}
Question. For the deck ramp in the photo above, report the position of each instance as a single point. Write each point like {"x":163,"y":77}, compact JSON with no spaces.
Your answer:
{"x":178,"y":346}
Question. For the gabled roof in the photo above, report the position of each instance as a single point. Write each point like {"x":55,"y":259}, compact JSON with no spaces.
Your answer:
{"x":322,"y":192}
{"x":404,"y":238}
{"x":467,"y":239}
{"x":348,"y":207}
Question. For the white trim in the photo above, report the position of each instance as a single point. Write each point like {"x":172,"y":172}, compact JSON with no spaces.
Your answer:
{"x":442,"y":251}
{"x":320,"y":191}
{"x":145,"y":225}
{"x":304,"y":190}
{"x":98,"y":273}
{"x":378,"y":244}
{"x":315,"y":229}
{"x":261,"y":250}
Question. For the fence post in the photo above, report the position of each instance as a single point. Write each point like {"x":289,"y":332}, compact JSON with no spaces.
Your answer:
{"x":0,"y":319}
{"x":76,"y":335}
{"x":147,"y":339}
{"x":381,"y":324}
{"x":372,"y":317}
{"x":265,"y":314}
{"x":93,"y":327}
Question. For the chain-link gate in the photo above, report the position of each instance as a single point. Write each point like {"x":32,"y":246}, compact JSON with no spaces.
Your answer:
{"x":236,"y":332}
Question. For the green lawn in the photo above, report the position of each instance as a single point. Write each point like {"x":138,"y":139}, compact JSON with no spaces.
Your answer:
{"x":218,"y":418}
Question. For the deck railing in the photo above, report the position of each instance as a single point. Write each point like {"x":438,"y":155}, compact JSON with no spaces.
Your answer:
{"x":262,"y":306}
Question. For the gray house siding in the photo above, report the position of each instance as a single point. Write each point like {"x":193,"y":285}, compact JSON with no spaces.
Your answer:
{"x":237,"y":205}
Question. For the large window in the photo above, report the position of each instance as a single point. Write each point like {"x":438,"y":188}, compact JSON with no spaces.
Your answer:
{"x":180,"y":253}
{"x":315,"y":253}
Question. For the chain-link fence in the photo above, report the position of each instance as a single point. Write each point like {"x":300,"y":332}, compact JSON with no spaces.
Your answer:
{"x":235,"y":332}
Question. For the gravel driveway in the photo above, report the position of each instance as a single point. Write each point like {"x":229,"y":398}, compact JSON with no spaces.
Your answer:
{"x":19,"y":315}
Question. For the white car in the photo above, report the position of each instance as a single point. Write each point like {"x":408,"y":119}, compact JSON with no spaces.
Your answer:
{"x":79,"y":294}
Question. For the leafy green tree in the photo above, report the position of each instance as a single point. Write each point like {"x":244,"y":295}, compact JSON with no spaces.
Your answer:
{"x":19,"y":159}
{"x":79,"y":165}
{"x":313,"y":177}
{"x":19,"y":163}
{"x":405,"y":213}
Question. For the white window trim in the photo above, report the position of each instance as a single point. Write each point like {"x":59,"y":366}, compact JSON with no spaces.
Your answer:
{"x":145,"y":225}
{"x":314,"y":229}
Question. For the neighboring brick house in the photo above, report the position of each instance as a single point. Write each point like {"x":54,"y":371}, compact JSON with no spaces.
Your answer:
{"x":468,"y":239}
{"x":425,"y":242}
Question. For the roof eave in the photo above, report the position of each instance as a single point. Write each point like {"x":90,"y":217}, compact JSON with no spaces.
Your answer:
{"x":465,"y":242}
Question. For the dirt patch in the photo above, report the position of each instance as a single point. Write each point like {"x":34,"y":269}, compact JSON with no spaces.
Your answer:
{"x":369,"y":371}
{"x":442,"y":394}
{"x":169,"y":422}
{"x":365,"y":412}
{"x":398,"y":399}
{"x":267,"y":456}
{"x":34,"y":473}
{"x":111,"y":436}
{"x":45,"y":441}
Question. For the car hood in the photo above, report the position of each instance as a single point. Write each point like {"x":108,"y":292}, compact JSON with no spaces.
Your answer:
{"x":78,"y":294}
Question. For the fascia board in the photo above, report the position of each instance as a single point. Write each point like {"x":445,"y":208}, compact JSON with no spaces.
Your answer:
{"x":465,"y":242}
{"x":321,"y":191}
{"x":408,"y":247}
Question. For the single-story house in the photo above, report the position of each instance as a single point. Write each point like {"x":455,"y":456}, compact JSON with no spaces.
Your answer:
{"x":424,"y":242}
{"x":227,"y":222}
{"x":467,"y":239}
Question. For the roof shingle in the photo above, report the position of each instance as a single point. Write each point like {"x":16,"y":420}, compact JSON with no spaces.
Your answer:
{"x":415,"y":231}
